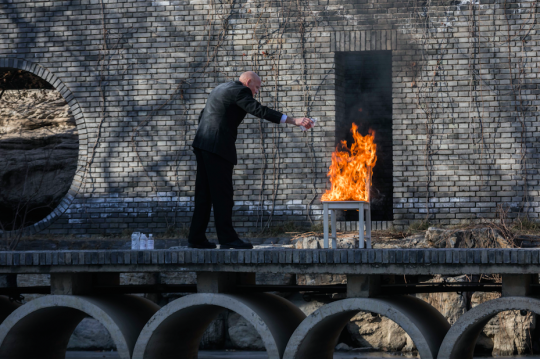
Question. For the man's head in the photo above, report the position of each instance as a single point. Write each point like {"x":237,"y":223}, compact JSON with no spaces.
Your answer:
{"x":251,"y":80}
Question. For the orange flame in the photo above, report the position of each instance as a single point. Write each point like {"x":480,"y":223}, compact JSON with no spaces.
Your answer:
{"x":351,"y":169}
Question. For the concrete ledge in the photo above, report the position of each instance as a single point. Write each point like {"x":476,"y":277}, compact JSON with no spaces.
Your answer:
{"x":279,"y":260}
{"x":461,"y":338}
{"x":179,"y":326}
{"x":42,"y":328}
{"x":317,"y":336}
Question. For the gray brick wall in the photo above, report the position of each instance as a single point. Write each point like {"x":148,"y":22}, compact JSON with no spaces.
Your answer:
{"x":465,"y":96}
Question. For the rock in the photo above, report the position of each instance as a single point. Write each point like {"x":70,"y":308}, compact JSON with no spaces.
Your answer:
{"x":414,"y":241}
{"x":377,"y":332}
{"x":477,"y":237}
{"x":451,"y":305}
{"x":320,"y":279}
{"x":214,"y":336}
{"x":434,"y":235}
{"x":508,"y":332}
{"x":316,"y":242}
{"x":312,"y":242}
{"x":347,"y":242}
{"x":242,"y":334}
{"x":39,"y":148}
{"x":409,"y":347}
{"x":342,"y":347}
{"x":90,"y":335}
{"x":306,"y":306}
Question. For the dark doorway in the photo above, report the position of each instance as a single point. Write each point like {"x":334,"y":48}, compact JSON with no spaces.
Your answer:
{"x":364,"y":96}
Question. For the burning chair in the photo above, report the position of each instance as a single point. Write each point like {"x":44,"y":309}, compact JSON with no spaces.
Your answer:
{"x":350,"y":177}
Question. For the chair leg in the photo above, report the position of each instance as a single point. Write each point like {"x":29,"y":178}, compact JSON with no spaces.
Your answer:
{"x":361,"y":243}
{"x":325,"y":215}
{"x":334,"y":234}
{"x":368,"y":225}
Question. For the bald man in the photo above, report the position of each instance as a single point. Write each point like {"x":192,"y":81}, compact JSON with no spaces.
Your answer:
{"x":215,"y":150}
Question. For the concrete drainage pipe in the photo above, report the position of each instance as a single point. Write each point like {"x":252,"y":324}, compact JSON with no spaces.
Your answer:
{"x":175,"y":331}
{"x":317,"y":336}
{"x":42,"y":328}
{"x":461,"y":339}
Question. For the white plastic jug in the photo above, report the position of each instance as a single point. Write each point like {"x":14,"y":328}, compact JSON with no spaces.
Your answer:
{"x":135,"y":240}
{"x":150,"y":243}
{"x":144,"y":241}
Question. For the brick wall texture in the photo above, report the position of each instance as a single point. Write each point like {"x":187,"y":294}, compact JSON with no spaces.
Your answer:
{"x":464,"y":103}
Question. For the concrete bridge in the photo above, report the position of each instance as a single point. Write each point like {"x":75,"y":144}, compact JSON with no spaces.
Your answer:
{"x":86,"y":283}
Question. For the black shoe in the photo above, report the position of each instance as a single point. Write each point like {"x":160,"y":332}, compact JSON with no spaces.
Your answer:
{"x":236,"y":244}
{"x":202,"y":245}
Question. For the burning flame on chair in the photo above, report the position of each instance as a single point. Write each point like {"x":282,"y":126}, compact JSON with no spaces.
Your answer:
{"x":351,"y":169}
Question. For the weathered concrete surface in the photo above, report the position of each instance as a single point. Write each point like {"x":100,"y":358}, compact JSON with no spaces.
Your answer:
{"x":460,"y":340}
{"x":516,"y":285}
{"x":317,"y":336}
{"x":178,"y":326}
{"x":48,"y":323}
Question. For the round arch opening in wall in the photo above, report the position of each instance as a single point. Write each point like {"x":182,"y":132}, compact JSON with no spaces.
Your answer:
{"x":40,"y":128}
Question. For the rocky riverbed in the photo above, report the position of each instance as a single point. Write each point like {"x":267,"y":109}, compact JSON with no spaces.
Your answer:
{"x":509,"y":333}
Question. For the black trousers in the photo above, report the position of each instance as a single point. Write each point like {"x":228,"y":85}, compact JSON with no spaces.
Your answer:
{"x":213,"y":186}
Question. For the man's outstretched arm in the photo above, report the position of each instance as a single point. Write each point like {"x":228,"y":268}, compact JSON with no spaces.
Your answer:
{"x":246,"y":101}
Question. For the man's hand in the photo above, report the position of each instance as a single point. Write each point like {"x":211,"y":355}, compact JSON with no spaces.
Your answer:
{"x":300,"y":121}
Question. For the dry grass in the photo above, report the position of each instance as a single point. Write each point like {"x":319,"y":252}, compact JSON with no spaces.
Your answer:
{"x":287,"y":229}
{"x":526,"y":225}
{"x":418,"y":226}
